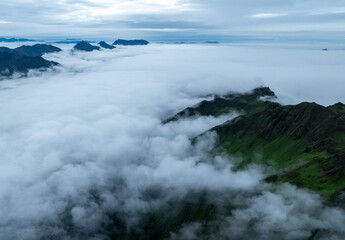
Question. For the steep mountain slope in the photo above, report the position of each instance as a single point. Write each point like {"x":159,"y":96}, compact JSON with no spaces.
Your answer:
{"x":85,"y":46}
{"x":245,"y":103}
{"x":302,"y":144}
{"x":36,"y":50}
{"x":10,"y":63}
{"x":106,"y":45}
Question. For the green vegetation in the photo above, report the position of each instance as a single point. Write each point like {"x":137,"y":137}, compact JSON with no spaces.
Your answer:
{"x":248,"y":103}
{"x":161,"y":223}
{"x":301,"y":144}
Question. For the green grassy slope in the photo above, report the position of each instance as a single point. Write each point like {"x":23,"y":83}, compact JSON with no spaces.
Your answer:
{"x":301,"y":144}
{"x":248,"y":102}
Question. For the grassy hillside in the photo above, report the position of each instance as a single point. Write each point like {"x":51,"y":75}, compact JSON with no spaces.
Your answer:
{"x":301,"y":144}
{"x":243,"y":103}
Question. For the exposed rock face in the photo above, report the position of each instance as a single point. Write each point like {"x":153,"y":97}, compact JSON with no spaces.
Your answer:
{"x":85,"y":46}
{"x":106,"y":45}
{"x":130,"y":42}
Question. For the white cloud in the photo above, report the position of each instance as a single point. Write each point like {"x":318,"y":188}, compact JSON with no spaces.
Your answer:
{"x":87,"y":139}
{"x":218,"y":18}
{"x":84,"y":12}
{"x":267,"y":15}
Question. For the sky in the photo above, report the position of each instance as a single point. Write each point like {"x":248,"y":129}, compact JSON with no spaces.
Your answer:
{"x":164,"y":20}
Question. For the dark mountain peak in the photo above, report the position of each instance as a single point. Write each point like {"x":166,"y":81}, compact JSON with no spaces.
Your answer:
{"x":85,"y":46}
{"x":130,"y":42}
{"x":308,"y":107}
{"x":11,"y":63}
{"x":5,"y":49}
{"x":238,"y":102}
{"x":263,"y":92}
{"x":339,"y":104}
{"x":106,"y":45}
{"x":338,"y":108}
{"x":47,"y":47}
{"x":36,"y":50}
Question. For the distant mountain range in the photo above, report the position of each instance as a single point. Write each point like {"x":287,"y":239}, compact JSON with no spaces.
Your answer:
{"x":85,"y":46}
{"x":24,"y":58}
{"x":71,"y":41}
{"x":130,"y":42}
{"x":211,"y":42}
{"x":16,"y":40}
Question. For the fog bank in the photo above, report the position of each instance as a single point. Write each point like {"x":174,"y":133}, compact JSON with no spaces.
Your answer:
{"x":84,"y":142}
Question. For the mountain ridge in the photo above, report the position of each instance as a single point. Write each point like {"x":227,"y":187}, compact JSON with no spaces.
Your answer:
{"x":11,"y":63}
{"x":130,"y":42}
{"x":85,"y":46}
{"x":36,"y":50}
{"x":302,"y":144}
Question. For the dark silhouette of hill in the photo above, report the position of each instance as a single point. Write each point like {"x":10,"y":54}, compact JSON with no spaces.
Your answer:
{"x":247,"y":102}
{"x":16,"y":40}
{"x":130,"y":42}
{"x":85,"y":46}
{"x":11,"y":63}
{"x":36,"y":50}
{"x":106,"y":45}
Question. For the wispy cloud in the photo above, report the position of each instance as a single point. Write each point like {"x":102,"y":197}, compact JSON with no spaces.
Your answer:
{"x":229,"y":17}
{"x":267,"y":15}
{"x":86,"y":142}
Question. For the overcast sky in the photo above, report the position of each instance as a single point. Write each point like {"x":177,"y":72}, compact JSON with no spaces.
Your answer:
{"x":173,"y":19}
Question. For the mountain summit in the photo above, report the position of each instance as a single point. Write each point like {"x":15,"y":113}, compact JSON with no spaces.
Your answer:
{"x":85,"y":46}
{"x":106,"y":45}
{"x":36,"y":50}
{"x":11,"y":63}
{"x":301,"y":144}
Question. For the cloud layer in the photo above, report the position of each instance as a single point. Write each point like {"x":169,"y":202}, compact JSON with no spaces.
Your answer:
{"x":85,"y":142}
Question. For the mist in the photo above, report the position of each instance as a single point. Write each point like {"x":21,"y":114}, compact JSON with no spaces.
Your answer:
{"x":83,"y":148}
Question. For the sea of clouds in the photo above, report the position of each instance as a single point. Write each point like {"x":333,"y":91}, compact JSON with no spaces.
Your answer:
{"x":85,"y":140}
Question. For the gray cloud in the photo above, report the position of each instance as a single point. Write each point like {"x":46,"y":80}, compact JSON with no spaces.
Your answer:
{"x":85,"y":141}
{"x":93,"y":19}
